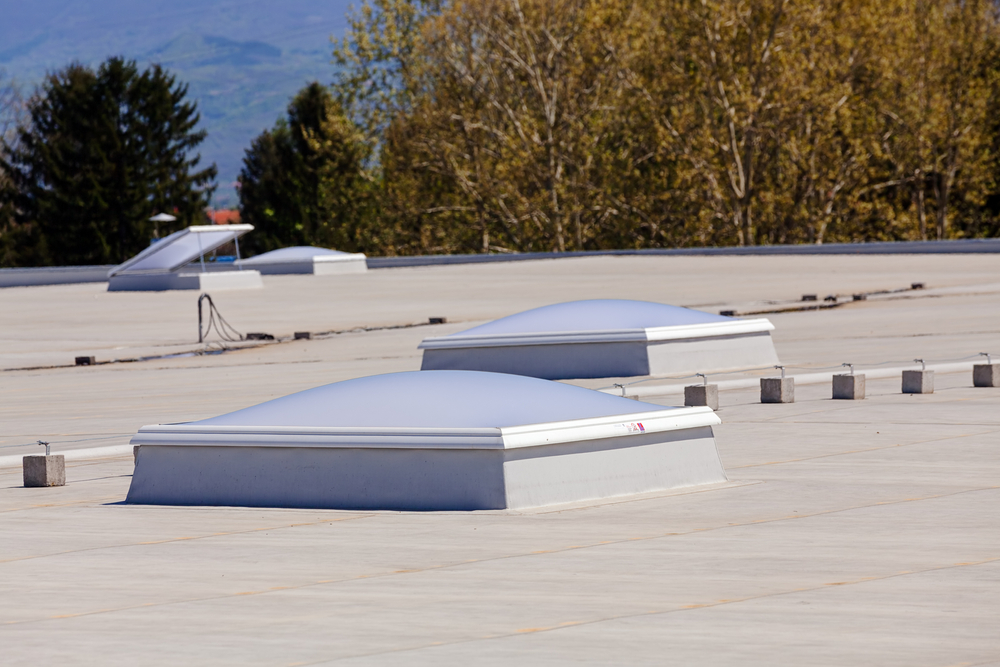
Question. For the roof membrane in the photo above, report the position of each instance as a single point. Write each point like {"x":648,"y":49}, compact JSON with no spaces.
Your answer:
{"x":433,"y":399}
{"x":172,"y":252}
{"x":594,"y":315}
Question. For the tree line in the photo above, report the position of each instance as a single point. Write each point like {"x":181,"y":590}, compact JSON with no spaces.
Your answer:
{"x":535,"y":125}
{"x":529,"y":125}
{"x":88,"y":158}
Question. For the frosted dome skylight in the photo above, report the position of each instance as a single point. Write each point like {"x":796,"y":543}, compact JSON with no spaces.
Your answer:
{"x":295,"y":253}
{"x":604,"y":338}
{"x":594,"y":315}
{"x":308,"y":259}
{"x":433,"y":399}
{"x":427,"y":440}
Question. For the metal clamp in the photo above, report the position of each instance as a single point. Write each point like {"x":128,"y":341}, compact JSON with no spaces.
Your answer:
{"x":987,"y":355}
{"x":923,"y":366}
{"x":851,"y":366}
{"x":704,"y":378}
{"x":782,"y":371}
{"x":47,"y":449}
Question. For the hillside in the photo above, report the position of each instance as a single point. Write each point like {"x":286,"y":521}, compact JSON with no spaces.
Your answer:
{"x":243,"y":60}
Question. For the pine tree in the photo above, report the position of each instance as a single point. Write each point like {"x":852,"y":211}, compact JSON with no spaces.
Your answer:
{"x":303,"y":181}
{"x":102,"y":152}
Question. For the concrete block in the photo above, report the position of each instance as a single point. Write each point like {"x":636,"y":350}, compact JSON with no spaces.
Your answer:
{"x":777,"y":390}
{"x":918,"y":382}
{"x":42,"y":470}
{"x":849,"y":387}
{"x":986,"y":375}
{"x":702,"y":394}
{"x":437,"y":320}
{"x":85,"y":361}
{"x":303,"y":335}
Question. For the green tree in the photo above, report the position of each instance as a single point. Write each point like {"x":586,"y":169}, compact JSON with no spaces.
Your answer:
{"x":303,"y":182}
{"x":378,"y":60}
{"x":99,"y":154}
{"x":502,"y":124}
{"x":939,"y":99}
{"x":268,"y":191}
{"x":11,"y":114}
{"x":574,"y":124}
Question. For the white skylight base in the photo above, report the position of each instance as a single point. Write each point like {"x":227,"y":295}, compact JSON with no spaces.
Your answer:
{"x":320,"y":266}
{"x":307,"y":260}
{"x":353,"y":263}
{"x":565,"y":361}
{"x":448,"y":476}
{"x":707,"y":355}
{"x":548,"y":362}
{"x":158,"y":282}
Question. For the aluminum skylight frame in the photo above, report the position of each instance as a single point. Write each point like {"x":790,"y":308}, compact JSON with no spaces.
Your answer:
{"x":649,"y":334}
{"x":224,"y":233}
{"x":661,"y":420}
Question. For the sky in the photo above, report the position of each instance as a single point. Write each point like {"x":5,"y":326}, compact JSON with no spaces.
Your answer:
{"x":243,"y":59}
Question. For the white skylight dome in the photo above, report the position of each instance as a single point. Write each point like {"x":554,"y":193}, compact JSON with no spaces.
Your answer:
{"x":594,"y":315}
{"x":161,"y":266}
{"x":605,"y":338}
{"x":307,"y":259}
{"x":427,"y":440}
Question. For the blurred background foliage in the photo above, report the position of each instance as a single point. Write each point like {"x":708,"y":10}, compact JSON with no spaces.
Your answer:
{"x":537,"y":125}
{"x":518,"y":125}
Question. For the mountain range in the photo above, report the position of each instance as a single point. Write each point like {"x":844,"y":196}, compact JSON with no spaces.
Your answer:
{"x":242,"y":60}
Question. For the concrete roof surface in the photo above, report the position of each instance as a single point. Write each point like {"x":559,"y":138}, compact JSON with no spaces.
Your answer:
{"x":850,"y":532}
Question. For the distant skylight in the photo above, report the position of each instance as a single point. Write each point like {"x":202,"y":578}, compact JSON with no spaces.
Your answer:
{"x":293,"y":254}
{"x":180,"y":248}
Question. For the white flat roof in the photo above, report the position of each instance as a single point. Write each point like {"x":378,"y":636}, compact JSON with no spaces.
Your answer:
{"x":851,"y":532}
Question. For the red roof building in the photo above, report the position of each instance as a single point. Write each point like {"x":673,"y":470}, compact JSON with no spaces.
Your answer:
{"x":223,"y":216}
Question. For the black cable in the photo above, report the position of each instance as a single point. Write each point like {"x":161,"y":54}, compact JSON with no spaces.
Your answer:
{"x":224,"y":329}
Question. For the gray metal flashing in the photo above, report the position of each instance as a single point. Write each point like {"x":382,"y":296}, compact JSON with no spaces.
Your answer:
{"x":54,"y":275}
{"x":961,"y":246}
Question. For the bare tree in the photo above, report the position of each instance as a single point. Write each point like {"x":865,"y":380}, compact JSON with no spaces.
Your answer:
{"x":937,"y":101}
